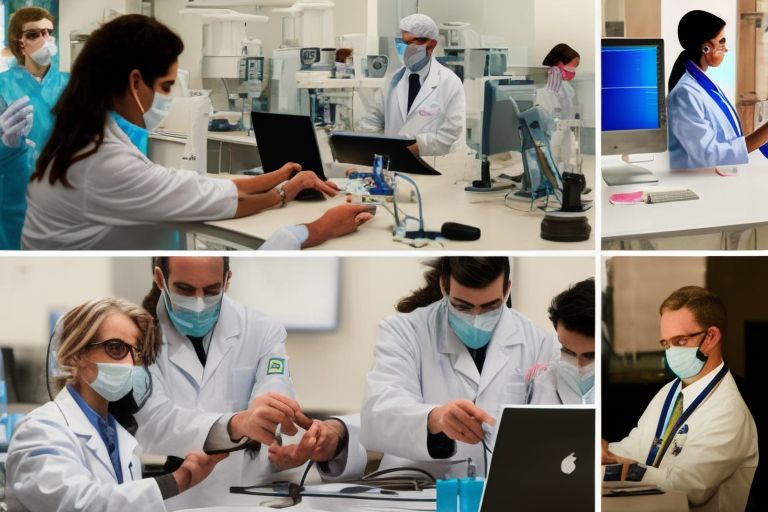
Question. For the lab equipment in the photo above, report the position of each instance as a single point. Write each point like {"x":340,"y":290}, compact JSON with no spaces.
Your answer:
{"x":376,"y":66}
{"x":307,"y":24}
{"x":359,"y":148}
{"x":665,"y":196}
{"x":634,"y":114}
{"x":554,"y":469}
{"x":285,"y":138}
{"x":573,"y":185}
{"x":501,"y":127}
{"x":230,"y":57}
{"x":470,"y":493}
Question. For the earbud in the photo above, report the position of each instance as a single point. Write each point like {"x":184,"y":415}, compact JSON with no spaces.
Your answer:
{"x":705,"y":49}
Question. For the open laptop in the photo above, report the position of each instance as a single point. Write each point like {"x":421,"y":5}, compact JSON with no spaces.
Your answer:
{"x":283,"y":138}
{"x":359,"y":148}
{"x":543,"y":459}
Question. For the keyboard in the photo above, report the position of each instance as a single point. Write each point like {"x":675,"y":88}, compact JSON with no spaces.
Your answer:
{"x":667,"y":196}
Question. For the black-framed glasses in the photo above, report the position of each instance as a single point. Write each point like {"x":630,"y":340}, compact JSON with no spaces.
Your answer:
{"x":117,"y":349}
{"x":34,"y":33}
{"x":680,"y":341}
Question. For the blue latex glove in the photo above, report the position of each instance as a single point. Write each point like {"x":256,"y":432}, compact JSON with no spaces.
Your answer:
{"x":16,"y":122}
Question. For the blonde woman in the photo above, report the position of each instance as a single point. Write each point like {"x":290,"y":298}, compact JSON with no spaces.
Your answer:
{"x":71,"y":454}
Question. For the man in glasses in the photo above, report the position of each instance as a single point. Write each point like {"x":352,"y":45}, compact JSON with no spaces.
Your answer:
{"x":697,"y":435}
{"x":570,"y":379}
{"x":28,"y":92}
{"x":422,"y":99}
{"x":221,"y":379}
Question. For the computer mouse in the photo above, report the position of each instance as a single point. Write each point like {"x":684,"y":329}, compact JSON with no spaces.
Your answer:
{"x":310,"y":194}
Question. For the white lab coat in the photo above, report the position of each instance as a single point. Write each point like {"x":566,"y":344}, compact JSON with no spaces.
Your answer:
{"x":187,"y":399}
{"x":559,"y":104}
{"x":699,"y":132}
{"x":420,"y":364}
{"x":120,"y":200}
{"x":57,"y":461}
{"x":549,"y":388}
{"x":437,"y":118}
{"x":719,"y":452}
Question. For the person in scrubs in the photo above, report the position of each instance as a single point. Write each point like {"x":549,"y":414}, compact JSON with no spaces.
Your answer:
{"x":422,"y":99}
{"x":71,"y":454}
{"x":95,"y":188}
{"x":697,"y":435}
{"x":571,"y":378}
{"x":28,"y":91}
{"x":444,"y":366}
{"x":703,"y":125}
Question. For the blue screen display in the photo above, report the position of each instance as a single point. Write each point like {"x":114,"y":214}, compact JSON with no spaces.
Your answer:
{"x":630,"y":89}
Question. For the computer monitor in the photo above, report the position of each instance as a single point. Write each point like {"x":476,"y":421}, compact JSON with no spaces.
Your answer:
{"x":501,"y":126}
{"x":634,"y":113}
{"x":283,"y":138}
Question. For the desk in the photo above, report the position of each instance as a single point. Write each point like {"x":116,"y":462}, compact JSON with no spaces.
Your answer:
{"x":671,"y":501}
{"x":725,"y":204}
{"x":444,"y":200}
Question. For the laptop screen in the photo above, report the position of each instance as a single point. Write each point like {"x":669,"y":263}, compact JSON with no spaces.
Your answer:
{"x":543,"y":459}
{"x":283,"y":138}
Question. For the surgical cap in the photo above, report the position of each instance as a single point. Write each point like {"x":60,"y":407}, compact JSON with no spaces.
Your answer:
{"x":696,"y":28}
{"x":420,"y":25}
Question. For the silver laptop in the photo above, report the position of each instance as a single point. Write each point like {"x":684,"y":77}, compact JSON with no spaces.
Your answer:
{"x":543,"y":459}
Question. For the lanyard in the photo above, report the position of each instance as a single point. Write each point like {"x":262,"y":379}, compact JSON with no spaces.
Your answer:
{"x":657,"y":440}
{"x":718,"y":97}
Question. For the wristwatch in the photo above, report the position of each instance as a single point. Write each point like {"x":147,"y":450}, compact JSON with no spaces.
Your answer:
{"x":281,"y":193}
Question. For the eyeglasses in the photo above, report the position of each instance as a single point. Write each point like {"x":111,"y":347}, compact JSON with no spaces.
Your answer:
{"x":117,"y":349}
{"x":680,"y":341}
{"x":37,"y":32}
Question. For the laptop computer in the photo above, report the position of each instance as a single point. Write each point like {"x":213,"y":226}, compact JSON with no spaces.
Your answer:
{"x":359,"y":148}
{"x":543,"y":459}
{"x":283,"y":138}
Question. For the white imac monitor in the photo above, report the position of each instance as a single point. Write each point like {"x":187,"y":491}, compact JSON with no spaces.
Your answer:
{"x":634,"y":112}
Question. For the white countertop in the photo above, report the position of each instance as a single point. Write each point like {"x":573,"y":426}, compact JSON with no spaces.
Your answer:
{"x":445,"y":200}
{"x":725,"y":203}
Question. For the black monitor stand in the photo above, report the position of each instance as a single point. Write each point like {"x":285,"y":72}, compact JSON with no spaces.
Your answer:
{"x":485,"y":183}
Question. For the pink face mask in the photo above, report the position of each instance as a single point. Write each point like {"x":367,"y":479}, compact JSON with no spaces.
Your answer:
{"x":568,"y":73}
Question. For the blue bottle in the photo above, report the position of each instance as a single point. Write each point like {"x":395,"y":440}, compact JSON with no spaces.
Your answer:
{"x":470,"y":493}
{"x":447,"y":495}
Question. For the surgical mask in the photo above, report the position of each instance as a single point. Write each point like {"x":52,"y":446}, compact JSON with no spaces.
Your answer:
{"x":579,"y":378}
{"x":415,"y":57}
{"x":400,"y":47}
{"x":142,"y":387}
{"x":43,"y":55}
{"x":474,"y":331}
{"x":567,"y":72}
{"x":684,"y":361}
{"x":113,"y":380}
{"x":161,"y":105}
{"x":192,"y":316}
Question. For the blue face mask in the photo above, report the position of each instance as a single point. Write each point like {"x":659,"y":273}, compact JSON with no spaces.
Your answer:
{"x":580,"y":379}
{"x":684,"y":361}
{"x":113,"y":380}
{"x":192,"y":316}
{"x":474,"y":331}
{"x":138,"y":136}
{"x":400,"y":47}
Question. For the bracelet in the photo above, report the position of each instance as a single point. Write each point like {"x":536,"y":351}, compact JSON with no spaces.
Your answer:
{"x":281,"y":193}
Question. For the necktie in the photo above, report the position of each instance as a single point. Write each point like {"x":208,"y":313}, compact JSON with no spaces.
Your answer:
{"x":668,"y":433}
{"x":414,"y":86}
{"x":197,"y":344}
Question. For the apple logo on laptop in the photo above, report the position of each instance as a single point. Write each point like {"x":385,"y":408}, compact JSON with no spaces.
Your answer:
{"x":568,"y":465}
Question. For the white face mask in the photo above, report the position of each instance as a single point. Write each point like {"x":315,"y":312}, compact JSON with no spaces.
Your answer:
{"x":43,"y":55}
{"x":113,"y":380}
{"x":158,"y":111}
{"x":415,"y":57}
{"x":580,"y":379}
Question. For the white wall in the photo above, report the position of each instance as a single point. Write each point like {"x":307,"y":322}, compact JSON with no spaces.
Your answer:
{"x":328,"y":368}
{"x":671,"y":12}
{"x":76,"y":15}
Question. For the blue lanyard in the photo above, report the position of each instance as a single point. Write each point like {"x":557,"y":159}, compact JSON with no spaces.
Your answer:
{"x":718,"y":97}
{"x":657,"y":440}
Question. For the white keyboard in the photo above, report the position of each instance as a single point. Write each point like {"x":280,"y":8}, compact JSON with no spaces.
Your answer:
{"x":666,"y":196}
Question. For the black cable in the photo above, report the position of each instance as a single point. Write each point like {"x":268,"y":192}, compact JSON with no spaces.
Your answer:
{"x":394,"y":470}
{"x":304,"y":476}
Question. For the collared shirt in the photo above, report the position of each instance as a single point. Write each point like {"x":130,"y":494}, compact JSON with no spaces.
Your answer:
{"x":107,"y":430}
{"x":691,"y":391}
